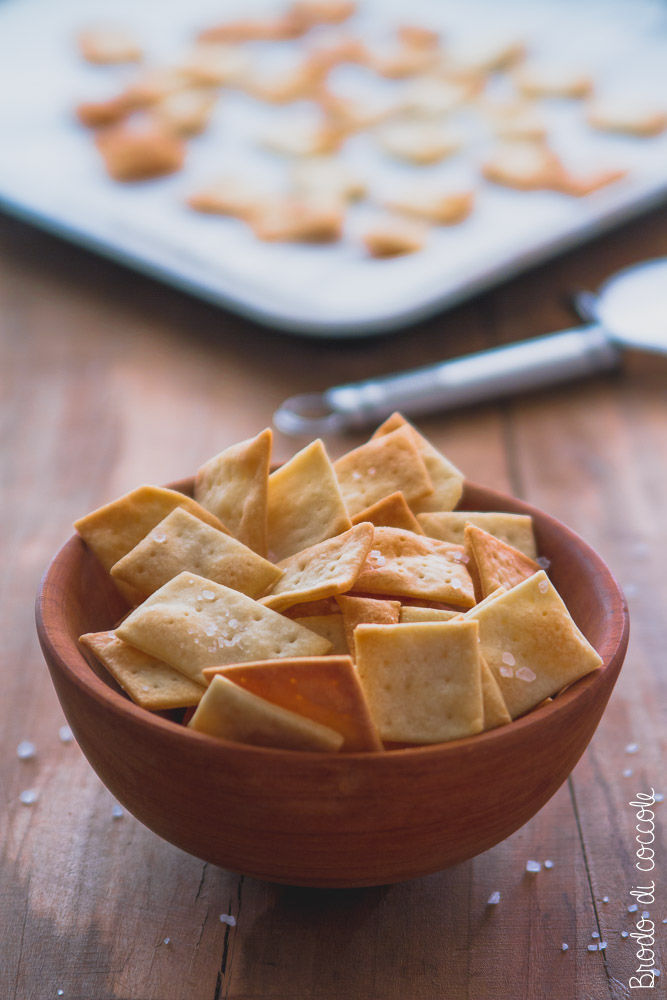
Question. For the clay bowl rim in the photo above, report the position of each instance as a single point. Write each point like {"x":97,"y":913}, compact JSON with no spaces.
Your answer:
{"x":64,"y":649}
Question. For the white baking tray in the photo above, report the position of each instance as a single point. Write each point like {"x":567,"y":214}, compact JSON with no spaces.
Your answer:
{"x":50,"y":172}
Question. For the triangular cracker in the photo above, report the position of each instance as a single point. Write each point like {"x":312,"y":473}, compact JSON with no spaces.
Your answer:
{"x":403,"y":564}
{"x":382,"y":466}
{"x":495,"y":709}
{"x":330,"y":627}
{"x":325,"y":689}
{"x":149,"y":682}
{"x":531,"y":643}
{"x":234,"y":484}
{"x":112,"y":530}
{"x":368,"y":611}
{"x":192,"y":623}
{"x":329,"y":568}
{"x":182,"y":541}
{"x":448,"y":526}
{"x":493,"y":563}
{"x":390,"y":512}
{"x":446,"y":478}
{"x":305,"y":503}
{"x":229,"y":712}
{"x":422,"y":681}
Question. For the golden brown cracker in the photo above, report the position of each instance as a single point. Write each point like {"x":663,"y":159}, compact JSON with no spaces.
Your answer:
{"x":495,"y":709}
{"x":447,"y":480}
{"x":137,"y":154}
{"x":390,"y":512}
{"x":329,"y":626}
{"x":493,"y":563}
{"x":440,"y":208}
{"x":380,"y":467}
{"x":449,"y":526}
{"x":366,"y":610}
{"x":412,"y":613}
{"x":394,"y":237}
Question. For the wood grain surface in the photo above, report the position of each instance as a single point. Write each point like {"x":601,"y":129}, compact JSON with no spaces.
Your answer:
{"x":109,"y":380}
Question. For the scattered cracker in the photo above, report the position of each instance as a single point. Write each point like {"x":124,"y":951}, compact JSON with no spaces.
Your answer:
{"x":421,"y":142}
{"x":186,"y":112}
{"x":442,"y":209}
{"x":305,"y":503}
{"x":154,"y":85}
{"x":107,"y":45}
{"x":402,"y":564}
{"x":449,"y":526}
{"x":627,"y":116}
{"x":528,"y":166}
{"x":183,"y":542}
{"x":348,"y":115}
{"x":302,"y":137}
{"x":493,"y":563}
{"x":149,"y":682}
{"x":299,"y":220}
{"x":479,"y":56}
{"x":100,"y":114}
{"x":323,"y":689}
{"x":192,"y":623}
{"x":381,"y":466}
{"x":447,"y":480}
{"x":230,"y":195}
{"x":390,"y":512}
{"x":328,"y":568}
{"x":323,"y":11}
{"x":515,"y":120}
{"x":329,"y":626}
{"x":300,"y":82}
{"x":228,"y":711}
{"x":418,"y":37}
{"x":432,"y":97}
{"x":394,"y":237}
{"x":542,"y":80}
{"x":216,"y":65}
{"x":422,"y":681}
{"x":367,"y":611}
{"x":329,"y":177}
{"x":137,"y":154}
{"x":234,"y":487}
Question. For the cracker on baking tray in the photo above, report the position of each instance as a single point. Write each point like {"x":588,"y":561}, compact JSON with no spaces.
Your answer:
{"x":367,"y":611}
{"x":394,"y":236}
{"x":420,"y":142}
{"x":298,"y":219}
{"x":493,"y":563}
{"x":381,"y":466}
{"x":229,"y":711}
{"x":149,"y":682}
{"x":447,"y":480}
{"x":192,"y":623}
{"x":183,"y":542}
{"x":402,"y":564}
{"x":234,"y":486}
{"x":325,"y":689}
{"x":626,"y":115}
{"x":305,"y":503}
{"x":390,"y":512}
{"x":531,"y":643}
{"x":328,"y":568}
{"x":449,"y":526}
{"x":139,"y":153}
{"x":109,"y":44}
{"x":440,"y":208}
{"x":422,"y":681}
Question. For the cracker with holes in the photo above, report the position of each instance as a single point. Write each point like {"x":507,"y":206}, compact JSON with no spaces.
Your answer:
{"x":183,"y":542}
{"x":139,"y":153}
{"x":328,"y":568}
{"x":149,"y":682}
{"x":305,"y":503}
{"x":390,"y":512}
{"x":381,"y":466}
{"x":367,"y":611}
{"x":447,"y":480}
{"x":192,"y":623}
{"x":329,"y":626}
{"x":449,"y":526}
{"x":401,"y":564}
{"x":531,"y":643}
{"x":492,"y":563}
{"x":229,"y":711}
{"x":234,"y":486}
{"x":422,"y":681}
{"x":324,"y":689}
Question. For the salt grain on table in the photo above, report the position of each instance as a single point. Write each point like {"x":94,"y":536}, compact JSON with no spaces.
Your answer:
{"x":493,"y":899}
{"x":548,"y":864}
{"x":25,"y":750}
{"x":116,"y":811}
{"x":29,"y":796}
{"x":65,"y":734}
{"x":564,"y":946}
{"x":227,"y":918}
{"x":533,"y":866}
{"x":632,"y":748}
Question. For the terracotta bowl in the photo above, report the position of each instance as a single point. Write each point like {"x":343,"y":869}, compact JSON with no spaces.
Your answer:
{"x":330,"y":819}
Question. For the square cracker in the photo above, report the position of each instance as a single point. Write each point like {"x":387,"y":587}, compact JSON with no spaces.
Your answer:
{"x":149,"y":682}
{"x":329,"y":626}
{"x":449,"y":526}
{"x":329,"y":568}
{"x":112,"y":530}
{"x":416,"y":614}
{"x":403,"y":564}
{"x":234,"y":486}
{"x":192,"y":623}
{"x":531,"y":643}
{"x":367,"y":611}
{"x":447,"y":480}
{"x":325,"y":689}
{"x":181,"y":541}
{"x":493,"y":564}
{"x":380,"y":467}
{"x":390,"y":512}
{"x":422,"y":681}
{"x":229,"y":712}
{"x":305,"y":503}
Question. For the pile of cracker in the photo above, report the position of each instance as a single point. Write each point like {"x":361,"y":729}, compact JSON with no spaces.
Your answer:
{"x":438,"y":98}
{"x":331,"y":606}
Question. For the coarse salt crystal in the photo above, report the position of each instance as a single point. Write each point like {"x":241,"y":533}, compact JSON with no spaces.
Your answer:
{"x":624,"y":934}
{"x":605,"y":899}
{"x":632,"y":747}
{"x":210,"y":629}
{"x":506,"y":671}
{"x":595,"y":934}
{"x":207,"y":595}
{"x":508,"y":659}
{"x":493,"y":899}
{"x":372,"y":471}
{"x":29,"y":796}
{"x":633,"y":908}
{"x":659,"y":797}
{"x":233,"y":623}
{"x":116,"y":811}
{"x":602,"y":945}
{"x":533,"y":866}
{"x":627,"y":773}
{"x":592,"y":947}
{"x":526,"y":674}
{"x":543,"y":562}
{"x":59,"y":993}
{"x":564,"y":946}
{"x":656,"y":972}
{"x":65,"y":734}
{"x":548,"y":864}
{"x":356,"y":475}
{"x":645,"y":914}
{"x":227,"y":918}
{"x":166,"y":940}
{"x":25,"y":750}
{"x":543,"y":586}
{"x":159,"y":537}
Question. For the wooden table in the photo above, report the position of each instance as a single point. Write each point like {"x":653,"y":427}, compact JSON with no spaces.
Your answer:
{"x":109,"y":381}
